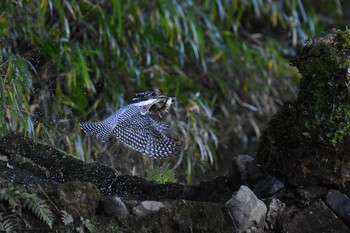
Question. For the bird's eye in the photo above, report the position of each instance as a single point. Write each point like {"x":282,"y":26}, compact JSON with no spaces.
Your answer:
{"x":153,"y":94}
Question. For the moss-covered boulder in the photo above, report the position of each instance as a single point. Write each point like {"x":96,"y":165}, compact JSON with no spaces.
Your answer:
{"x":80,"y":199}
{"x":308,"y":141}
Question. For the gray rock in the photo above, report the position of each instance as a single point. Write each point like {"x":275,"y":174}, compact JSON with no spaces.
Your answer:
{"x":340,"y":204}
{"x":245,"y":170}
{"x":316,"y":218}
{"x":147,"y":207}
{"x":114,"y":206}
{"x":274,"y":210}
{"x":267,"y":187}
{"x":152,"y":206}
{"x":246,"y":209}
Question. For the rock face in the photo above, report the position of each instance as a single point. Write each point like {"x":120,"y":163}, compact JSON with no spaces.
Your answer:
{"x":176,"y":216}
{"x":307,"y":142}
{"x":246,"y":209}
{"x":275,"y":209}
{"x":316,"y":218}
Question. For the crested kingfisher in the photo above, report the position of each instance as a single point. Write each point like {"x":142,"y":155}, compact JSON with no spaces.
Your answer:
{"x":136,"y":126}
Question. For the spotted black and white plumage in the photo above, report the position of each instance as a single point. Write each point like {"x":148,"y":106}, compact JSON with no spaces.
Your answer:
{"x":135,"y":127}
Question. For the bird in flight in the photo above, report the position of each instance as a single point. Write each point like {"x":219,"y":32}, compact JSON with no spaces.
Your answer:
{"x":136,"y":126}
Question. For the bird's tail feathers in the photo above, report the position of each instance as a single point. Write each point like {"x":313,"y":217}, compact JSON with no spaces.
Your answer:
{"x":101,"y":129}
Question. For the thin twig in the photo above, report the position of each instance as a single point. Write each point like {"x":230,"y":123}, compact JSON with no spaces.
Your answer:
{"x":42,"y":190}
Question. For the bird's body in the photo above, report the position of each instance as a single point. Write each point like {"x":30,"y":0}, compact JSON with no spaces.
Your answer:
{"x":134,"y":126}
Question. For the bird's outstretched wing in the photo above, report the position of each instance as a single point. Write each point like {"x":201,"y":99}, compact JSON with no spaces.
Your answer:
{"x":101,"y":129}
{"x":146,"y":135}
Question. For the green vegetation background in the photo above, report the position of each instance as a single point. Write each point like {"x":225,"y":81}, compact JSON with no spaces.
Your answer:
{"x":227,"y":63}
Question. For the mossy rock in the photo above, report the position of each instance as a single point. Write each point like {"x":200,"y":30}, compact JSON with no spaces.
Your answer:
{"x":308,"y":141}
{"x":80,"y":199}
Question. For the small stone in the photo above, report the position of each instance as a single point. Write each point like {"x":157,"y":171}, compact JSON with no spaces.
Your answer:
{"x":340,"y":204}
{"x":267,"y":187}
{"x":152,"y":206}
{"x":246,"y":209}
{"x":275,"y":208}
{"x":114,"y":206}
{"x":147,"y":207}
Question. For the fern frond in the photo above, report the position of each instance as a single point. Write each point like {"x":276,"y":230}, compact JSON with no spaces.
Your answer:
{"x":66,"y":218}
{"x":161,"y":175}
{"x":10,"y":195}
{"x":7,"y":222}
{"x":40,"y":209}
{"x":89,"y":225}
{"x":18,"y":200}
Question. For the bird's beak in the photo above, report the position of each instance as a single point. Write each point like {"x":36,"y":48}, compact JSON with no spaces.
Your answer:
{"x":161,"y":97}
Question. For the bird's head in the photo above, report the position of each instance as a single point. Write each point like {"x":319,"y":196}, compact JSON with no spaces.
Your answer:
{"x":148,"y":98}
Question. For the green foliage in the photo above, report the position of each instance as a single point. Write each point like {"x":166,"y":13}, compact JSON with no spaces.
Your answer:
{"x":161,"y":175}
{"x":83,"y":224}
{"x":62,"y":62}
{"x":66,"y":218}
{"x":325,"y":99}
{"x":15,"y":87}
{"x":17,"y":200}
{"x":8,"y":222}
{"x":86,"y":224}
{"x":39,"y":208}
